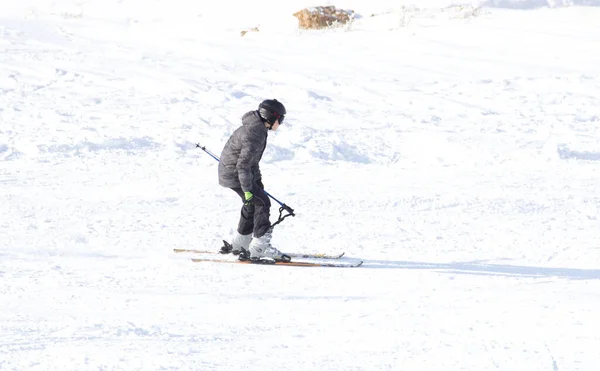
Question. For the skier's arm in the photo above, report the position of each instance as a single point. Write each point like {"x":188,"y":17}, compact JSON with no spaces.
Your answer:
{"x":250,"y":147}
{"x":257,"y":174}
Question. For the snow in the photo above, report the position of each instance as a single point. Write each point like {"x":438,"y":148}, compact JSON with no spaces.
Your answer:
{"x":454,"y":149}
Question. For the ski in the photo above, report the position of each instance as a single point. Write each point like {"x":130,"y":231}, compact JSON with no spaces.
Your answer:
{"x":289,"y":264}
{"x":292,"y":255}
{"x":316,"y":256}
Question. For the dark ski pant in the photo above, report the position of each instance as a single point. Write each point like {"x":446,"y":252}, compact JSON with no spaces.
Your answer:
{"x":254,"y":217}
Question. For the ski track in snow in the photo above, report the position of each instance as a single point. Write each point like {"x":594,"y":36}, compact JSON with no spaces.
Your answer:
{"x":459,"y":158}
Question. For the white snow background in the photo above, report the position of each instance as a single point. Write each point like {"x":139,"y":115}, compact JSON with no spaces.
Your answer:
{"x":454,"y":149}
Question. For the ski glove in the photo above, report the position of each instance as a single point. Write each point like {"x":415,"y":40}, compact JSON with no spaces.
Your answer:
{"x":249,"y":198}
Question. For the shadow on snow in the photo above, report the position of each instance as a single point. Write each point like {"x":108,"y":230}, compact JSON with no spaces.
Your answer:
{"x":481,"y":268}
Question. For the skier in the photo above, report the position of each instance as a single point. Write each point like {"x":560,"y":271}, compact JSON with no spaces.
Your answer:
{"x":240,"y":171}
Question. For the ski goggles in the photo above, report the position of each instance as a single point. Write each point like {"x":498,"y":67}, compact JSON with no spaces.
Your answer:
{"x":279,"y":117}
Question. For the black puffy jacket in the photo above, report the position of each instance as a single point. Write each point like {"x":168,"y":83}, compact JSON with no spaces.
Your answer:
{"x":238,"y":166}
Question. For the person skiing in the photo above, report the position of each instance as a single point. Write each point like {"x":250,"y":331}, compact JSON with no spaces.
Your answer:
{"x":239,"y":170}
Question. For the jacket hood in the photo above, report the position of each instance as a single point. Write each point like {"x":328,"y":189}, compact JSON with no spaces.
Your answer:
{"x":252,"y":118}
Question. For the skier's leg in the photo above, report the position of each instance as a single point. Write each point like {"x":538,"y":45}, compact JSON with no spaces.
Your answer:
{"x":246,"y":223}
{"x":262,"y":211}
{"x":241,"y":239}
{"x":260,"y":246}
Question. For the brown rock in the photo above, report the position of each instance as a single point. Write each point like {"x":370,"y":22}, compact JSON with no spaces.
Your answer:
{"x":322,"y":17}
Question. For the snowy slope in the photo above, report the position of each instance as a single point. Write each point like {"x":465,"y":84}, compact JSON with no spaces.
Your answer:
{"x":454,"y":149}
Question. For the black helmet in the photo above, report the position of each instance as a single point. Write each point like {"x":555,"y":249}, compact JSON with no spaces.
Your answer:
{"x":271,"y":110}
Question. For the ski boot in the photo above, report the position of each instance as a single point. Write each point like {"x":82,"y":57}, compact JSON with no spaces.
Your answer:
{"x":239,"y":244}
{"x":260,"y":249}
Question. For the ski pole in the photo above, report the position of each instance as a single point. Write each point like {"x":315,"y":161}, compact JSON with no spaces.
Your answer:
{"x":283,"y":206}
